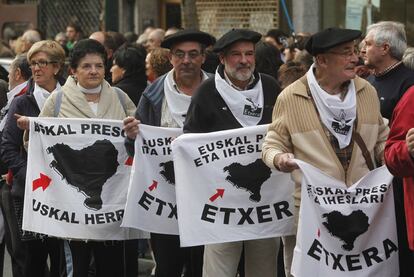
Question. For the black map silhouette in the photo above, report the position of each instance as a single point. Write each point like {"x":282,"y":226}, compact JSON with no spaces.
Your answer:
{"x":168,"y":172}
{"x":249,"y":177}
{"x":86,"y":169}
{"x":346,"y":227}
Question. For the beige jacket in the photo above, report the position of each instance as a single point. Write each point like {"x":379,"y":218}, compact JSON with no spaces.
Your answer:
{"x":296,"y":129}
{"x":74,"y":103}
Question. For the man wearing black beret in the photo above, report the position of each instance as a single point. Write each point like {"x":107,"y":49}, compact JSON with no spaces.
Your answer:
{"x":165,"y":103}
{"x":236,"y":97}
{"x":315,"y":120}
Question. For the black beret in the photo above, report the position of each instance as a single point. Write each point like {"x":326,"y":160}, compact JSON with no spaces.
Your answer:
{"x":188,"y":35}
{"x":235,"y":35}
{"x":329,"y":38}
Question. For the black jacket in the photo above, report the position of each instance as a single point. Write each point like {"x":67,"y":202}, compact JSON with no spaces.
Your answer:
{"x":133,"y":86}
{"x":209,"y":113}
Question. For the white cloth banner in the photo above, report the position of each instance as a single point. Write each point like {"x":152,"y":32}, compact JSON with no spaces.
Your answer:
{"x":77,"y":179}
{"x":151,"y":204}
{"x":346,"y":231}
{"x":224,"y":190}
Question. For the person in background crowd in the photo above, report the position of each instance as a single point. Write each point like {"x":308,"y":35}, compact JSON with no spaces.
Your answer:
{"x":171,"y":30}
{"x":119,"y":39}
{"x":163,"y":104}
{"x":110,"y":47}
{"x":28,"y":38}
{"x":128,"y":71}
{"x":73,"y":34}
{"x":130,"y":37}
{"x":331,"y":79}
{"x":408,"y":58}
{"x":279,"y":39}
{"x":267,"y":59}
{"x":236,"y":78}
{"x":157,"y":63}
{"x":143,"y":38}
{"x":384,"y":46}
{"x":62,"y":40}
{"x":290,"y":72}
{"x":154,"y":39}
{"x":30,"y":251}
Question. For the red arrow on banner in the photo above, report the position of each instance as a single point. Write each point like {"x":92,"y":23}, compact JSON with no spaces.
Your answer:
{"x":153,"y":186}
{"x":43,"y":182}
{"x":129,"y":161}
{"x":220,"y":192}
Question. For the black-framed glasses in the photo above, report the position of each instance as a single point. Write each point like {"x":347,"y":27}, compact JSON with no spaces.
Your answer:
{"x":191,"y":54}
{"x":40,"y":64}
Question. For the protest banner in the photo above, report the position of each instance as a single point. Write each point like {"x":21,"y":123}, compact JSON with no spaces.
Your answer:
{"x":346,"y":231}
{"x":151,"y":204}
{"x":224,"y":190}
{"x":77,"y":179}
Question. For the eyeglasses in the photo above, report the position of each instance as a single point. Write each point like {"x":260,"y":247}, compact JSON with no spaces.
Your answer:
{"x":348,"y":54}
{"x":40,"y":64}
{"x":191,"y":55}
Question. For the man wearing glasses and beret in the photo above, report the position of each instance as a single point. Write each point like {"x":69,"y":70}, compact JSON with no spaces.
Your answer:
{"x":165,"y":103}
{"x":238,"y":96}
{"x":326,"y":118}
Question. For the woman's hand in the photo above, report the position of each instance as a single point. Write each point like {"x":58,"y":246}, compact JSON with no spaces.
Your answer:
{"x":23,"y":122}
{"x":131,"y":127}
{"x":409,"y":140}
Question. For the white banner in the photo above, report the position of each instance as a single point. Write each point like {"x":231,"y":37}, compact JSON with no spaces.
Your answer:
{"x":77,"y":179}
{"x":151,"y":204}
{"x":224,"y":190}
{"x":346,"y":231}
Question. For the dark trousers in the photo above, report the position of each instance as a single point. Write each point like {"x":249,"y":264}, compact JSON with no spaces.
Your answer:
{"x":109,"y":258}
{"x":28,"y":257}
{"x":172,"y":260}
{"x":406,"y":256}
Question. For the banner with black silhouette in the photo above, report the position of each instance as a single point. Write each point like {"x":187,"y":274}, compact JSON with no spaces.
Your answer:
{"x":151,"y":204}
{"x":224,"y":190}
{"x":77,"y":179}
{"x":346,"y":231}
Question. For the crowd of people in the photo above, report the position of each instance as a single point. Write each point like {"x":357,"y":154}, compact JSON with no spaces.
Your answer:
{"x":191,"y":80}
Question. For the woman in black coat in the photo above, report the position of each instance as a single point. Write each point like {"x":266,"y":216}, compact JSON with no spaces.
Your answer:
{"x":128,"y":71}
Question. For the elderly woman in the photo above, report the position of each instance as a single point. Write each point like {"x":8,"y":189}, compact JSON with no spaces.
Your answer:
{"x":128,"y":71}
{"x":29,"y":251}
{"x":87,"y":95}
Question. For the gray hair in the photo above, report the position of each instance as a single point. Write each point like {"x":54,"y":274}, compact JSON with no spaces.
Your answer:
{"x":392,"y":33}
{"x":20,"y":62}
{"x":31,"y":36}
{"x":408,"y":58}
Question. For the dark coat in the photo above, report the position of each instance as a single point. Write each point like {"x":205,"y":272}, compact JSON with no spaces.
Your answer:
{"x":133,"y":86}
{"x":12,"y":152}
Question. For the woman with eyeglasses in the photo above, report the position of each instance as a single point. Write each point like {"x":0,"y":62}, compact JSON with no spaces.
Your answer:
{"x":87,"y":95}
{"x":128,"y":71}
{"x":30,"y":251}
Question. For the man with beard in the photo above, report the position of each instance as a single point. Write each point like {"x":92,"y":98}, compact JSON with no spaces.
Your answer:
{"x":237,"y":97}
{"x":165,"y":103}
{"x":384,"y":47}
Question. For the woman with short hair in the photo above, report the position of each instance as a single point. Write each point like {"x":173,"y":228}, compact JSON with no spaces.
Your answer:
{"x":30,"y":251}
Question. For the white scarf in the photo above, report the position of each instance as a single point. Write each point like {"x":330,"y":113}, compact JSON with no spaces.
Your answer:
{"x":177,"y":102}
{"x":40,"y":94}
{"x":10,"y":96}
{"x":90,"y":90}
{"x":245,"y":105}
{"x":337,"y":115}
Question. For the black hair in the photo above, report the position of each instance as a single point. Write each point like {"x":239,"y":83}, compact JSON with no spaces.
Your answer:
{"x":131,"y":58}
{"x":267,"y":59}
{"x":75,"y":25}
{"x":84,"y":47}
{"x":278,"y":35}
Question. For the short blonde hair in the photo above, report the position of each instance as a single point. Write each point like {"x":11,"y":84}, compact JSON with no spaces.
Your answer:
{"x":51,"y":48}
